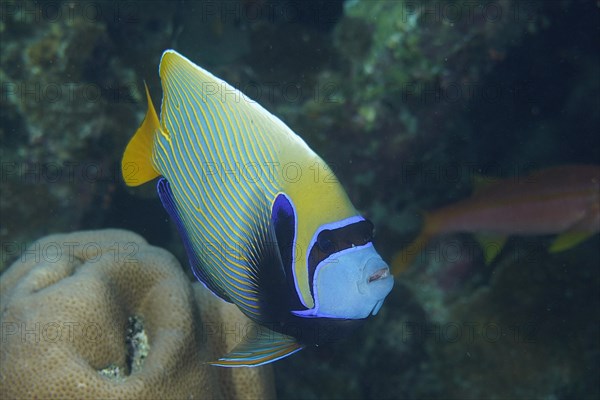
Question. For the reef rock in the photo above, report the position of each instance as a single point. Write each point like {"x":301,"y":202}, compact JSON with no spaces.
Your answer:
{"x":102,"y":314}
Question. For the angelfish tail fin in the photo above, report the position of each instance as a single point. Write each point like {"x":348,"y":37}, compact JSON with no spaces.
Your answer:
{"x":136,"y":165}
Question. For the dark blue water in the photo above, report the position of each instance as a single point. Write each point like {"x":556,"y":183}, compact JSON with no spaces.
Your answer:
{"x":407,"y":101}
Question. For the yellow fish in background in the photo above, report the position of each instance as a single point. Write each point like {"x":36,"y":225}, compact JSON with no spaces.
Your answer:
{"x":262,"y":230}
{"x":562,"y":200}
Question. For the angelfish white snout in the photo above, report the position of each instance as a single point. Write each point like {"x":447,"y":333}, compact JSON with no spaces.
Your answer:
{"x":375,"y":277}
{"x":379,"y":274}
{"x":379,"y":280}
{"x":351,"y":284}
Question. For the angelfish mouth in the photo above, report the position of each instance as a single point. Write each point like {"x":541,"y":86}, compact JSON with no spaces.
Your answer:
{"x":381,"y":273}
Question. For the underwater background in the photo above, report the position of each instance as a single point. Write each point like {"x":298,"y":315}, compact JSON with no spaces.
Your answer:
{"x":410,"y":102}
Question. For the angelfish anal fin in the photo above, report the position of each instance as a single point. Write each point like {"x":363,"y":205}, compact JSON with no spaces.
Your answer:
{"x":166,"y":197}
{"x":260,"y":346}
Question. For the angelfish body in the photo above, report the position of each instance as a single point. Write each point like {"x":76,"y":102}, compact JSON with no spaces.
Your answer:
{"x":264,"y":225}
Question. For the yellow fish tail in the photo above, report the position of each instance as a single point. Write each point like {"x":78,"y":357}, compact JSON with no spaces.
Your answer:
{"x":403,"y":259}
{"x":136,"y":165}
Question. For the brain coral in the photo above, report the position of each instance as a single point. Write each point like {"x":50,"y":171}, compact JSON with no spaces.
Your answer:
{"x":103,"y":314}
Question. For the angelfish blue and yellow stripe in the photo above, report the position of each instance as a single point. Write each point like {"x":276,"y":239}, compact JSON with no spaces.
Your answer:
{"x":261,"y":229}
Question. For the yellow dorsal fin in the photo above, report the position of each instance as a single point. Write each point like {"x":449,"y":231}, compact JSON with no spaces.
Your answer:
{"x":136,"y":165}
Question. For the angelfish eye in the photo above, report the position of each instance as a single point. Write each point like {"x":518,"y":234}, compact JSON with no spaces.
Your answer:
{"x":325,"y":242}
{"x":368,"y":231}
{"x":363,"y":233}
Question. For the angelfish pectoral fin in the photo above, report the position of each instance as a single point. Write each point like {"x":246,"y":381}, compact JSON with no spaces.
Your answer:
{"x":260,"y":346}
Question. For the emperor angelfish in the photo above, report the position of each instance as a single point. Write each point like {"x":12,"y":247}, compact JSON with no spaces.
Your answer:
{"x":263,"y":226}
